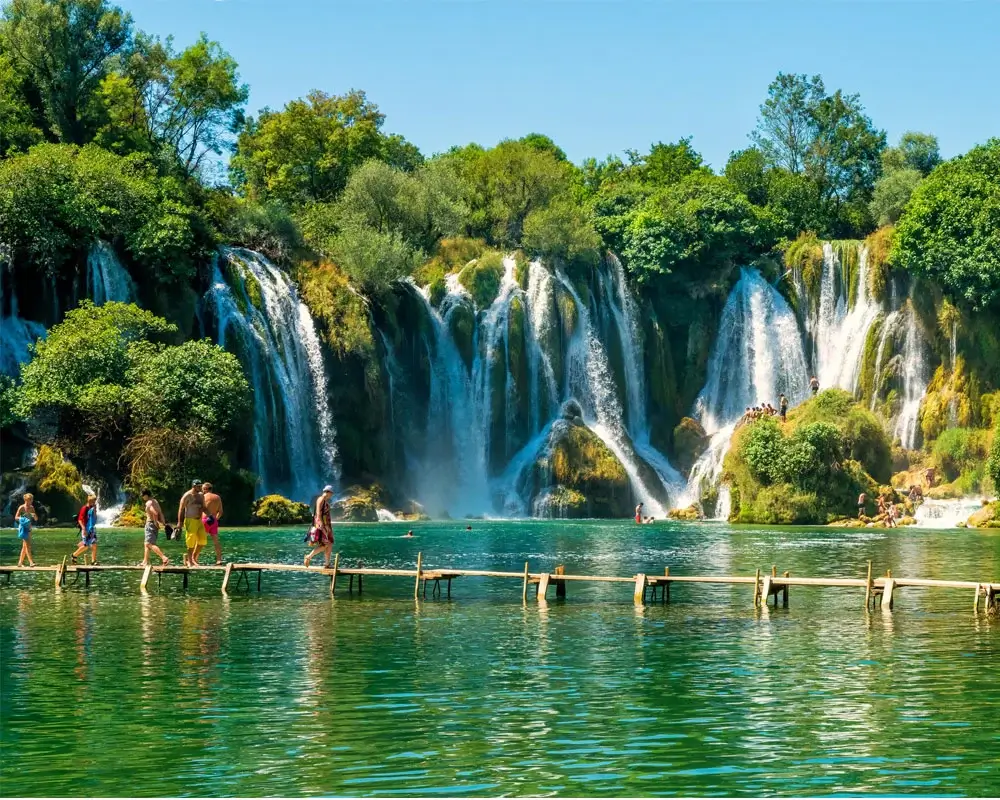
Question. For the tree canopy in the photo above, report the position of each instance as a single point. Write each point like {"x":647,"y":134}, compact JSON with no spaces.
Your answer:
{"x":950,"y":231}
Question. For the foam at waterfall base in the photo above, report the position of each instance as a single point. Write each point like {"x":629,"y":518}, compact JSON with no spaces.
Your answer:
{"x":946,"y":513}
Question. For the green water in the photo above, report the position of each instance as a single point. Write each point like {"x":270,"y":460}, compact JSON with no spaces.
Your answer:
{"x":106,"y":692}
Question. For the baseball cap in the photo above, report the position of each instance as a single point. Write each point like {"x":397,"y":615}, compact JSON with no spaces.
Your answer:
{"x":328,"y":488}
{"x":195,"y":482}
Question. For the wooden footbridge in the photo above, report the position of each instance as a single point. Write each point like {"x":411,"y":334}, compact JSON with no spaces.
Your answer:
{"x":879,"y":591}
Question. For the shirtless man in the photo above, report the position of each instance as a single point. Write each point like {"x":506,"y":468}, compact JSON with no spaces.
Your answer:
{"x":211,"y":517}
{"x":154,"y":520}
{"x":189,"y":512}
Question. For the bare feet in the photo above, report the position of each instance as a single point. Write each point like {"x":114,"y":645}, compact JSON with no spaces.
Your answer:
{"x":165,"y":561}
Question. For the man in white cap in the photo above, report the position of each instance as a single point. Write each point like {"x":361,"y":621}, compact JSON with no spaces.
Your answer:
{"x":321,"y":535}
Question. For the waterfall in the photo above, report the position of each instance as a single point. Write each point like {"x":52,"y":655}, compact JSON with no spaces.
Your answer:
{"x":259,"y":316}
{"x":107,"y":514}
{"x":489,"y":457}
{"x":757,"y":356}
{"x":916,"y":373}
{"x":946,"y":513}
{"x":840,"y":328}
{"x":16,"y":337}
{"x":107,"y":279}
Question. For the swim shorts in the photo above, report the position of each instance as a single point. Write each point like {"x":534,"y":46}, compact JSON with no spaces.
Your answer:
{"x":151,"y":532}
{"x":88,"y":538}
{"x":194,"y":533}
{"x":211,"y":524}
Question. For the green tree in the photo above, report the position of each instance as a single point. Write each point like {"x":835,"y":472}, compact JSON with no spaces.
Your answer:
{"x":561,"y":230}
{"x":66,"y":47}
{"x":950,"y":231}
{"x":18,"y":129}
{"x":748,"y":172}
{"x":920,"y":151}
{"x":371,"y":258}
{"x":57,"y":199}
{"x":787,"y":126}
{"x":306,"y":152}
{"x":993,"y":464}
{"x":187,"y":103}
{"x":892,"y":193}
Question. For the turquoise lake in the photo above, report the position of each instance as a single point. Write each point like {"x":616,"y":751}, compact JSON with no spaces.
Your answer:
{"x":288,"y":692}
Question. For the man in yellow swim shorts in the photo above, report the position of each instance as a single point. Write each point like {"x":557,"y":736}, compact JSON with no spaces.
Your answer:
{"x":189,"y":513}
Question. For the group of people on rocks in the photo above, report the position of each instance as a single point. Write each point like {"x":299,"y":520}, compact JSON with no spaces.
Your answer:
{"x":886,"y":509}
{"x":765,"y":410}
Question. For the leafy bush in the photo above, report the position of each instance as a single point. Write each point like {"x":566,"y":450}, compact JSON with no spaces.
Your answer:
{"x":993,"y":465}
{"x":561,"y":230}
{"x":277,"y":510}
{"x":265,"y":227}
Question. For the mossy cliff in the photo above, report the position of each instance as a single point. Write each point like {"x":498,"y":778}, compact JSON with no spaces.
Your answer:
{"x":578,"y":464}
{"x":811,"y":469}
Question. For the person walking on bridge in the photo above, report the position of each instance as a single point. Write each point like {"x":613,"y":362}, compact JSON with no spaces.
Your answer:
{"x":321,"y":534}
{"x":210,"y":519}
{"x":189,"y":512}
{"x":86,"y":521}
{"x":154,"y":519}
{"x":25,"y":517}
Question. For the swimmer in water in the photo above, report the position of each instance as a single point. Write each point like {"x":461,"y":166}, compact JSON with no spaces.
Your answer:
{"x":468,"y":527}
{"x":408,"y":535}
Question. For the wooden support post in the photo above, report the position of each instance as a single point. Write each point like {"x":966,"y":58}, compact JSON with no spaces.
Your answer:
{"x":560,"y":585}
{"x":765,"y":590}
{"x":350,"y":586}
{"x":868,"y":586}
{"x":887,"y":592}
{"x":666,"y":589}
{"x":784,"y":593}
{"x":756,"y":588}
{"x":639,"y":595}
{"x":416,"y":585}
{"x":975,"y":602}
{"x":186,"y":580}
{"x":543,"y":586}
{"x":149,"y":571}
{"x":225,"y":577}
{"x":524,"y":588}
{"x":61,"y":574}
{"x":333,"y":578}
{"x":259,"y":572}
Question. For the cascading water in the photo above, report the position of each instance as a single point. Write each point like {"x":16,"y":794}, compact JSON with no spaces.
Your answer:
{"x":916,"y":373}
{"x":946,"y":513}
{"x":840,"y":328}
{"x":259,"y":316}
{"x":557,"y":367}
{"x":107,"y":279}
{"x":757,"y":356}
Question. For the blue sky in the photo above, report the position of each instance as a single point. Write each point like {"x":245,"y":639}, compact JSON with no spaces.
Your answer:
{"x":600,"y":77}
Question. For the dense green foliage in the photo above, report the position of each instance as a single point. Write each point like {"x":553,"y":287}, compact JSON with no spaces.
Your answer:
{"x":103,"y":384}
{"x":950,"y":232}
{"x":993,"y":464}
{"x":811,"y":469}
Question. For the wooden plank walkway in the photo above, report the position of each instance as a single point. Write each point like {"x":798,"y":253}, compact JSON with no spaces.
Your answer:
{"x":879,"y":591}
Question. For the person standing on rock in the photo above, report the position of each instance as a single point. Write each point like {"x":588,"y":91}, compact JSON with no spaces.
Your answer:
{"x":86,"y":521}
{"x":638,"y":514}
{"x":814,"y":384}
{"x":189,"y":512}
{"x":210,"y":519}
{"x":321,"y":535}
{"x":783,"y":408}
{"x":862,"y":499}
{"x":25,"y":517}
{"x":154,"y":519}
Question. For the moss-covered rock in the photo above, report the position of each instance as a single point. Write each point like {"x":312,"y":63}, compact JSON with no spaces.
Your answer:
{"x":689,"y":514}
{"x":360,"y":505}
{"x":578,"y":460}
{"x":986,"y":517}
{"x":560,"y":502}
{"x":689,"y":442}
{"x":343,"y":315}
{"x":482,"y":278}
{"x":56,"y":484}
{"x":273,"y":509}
{"x":462,"y":325}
